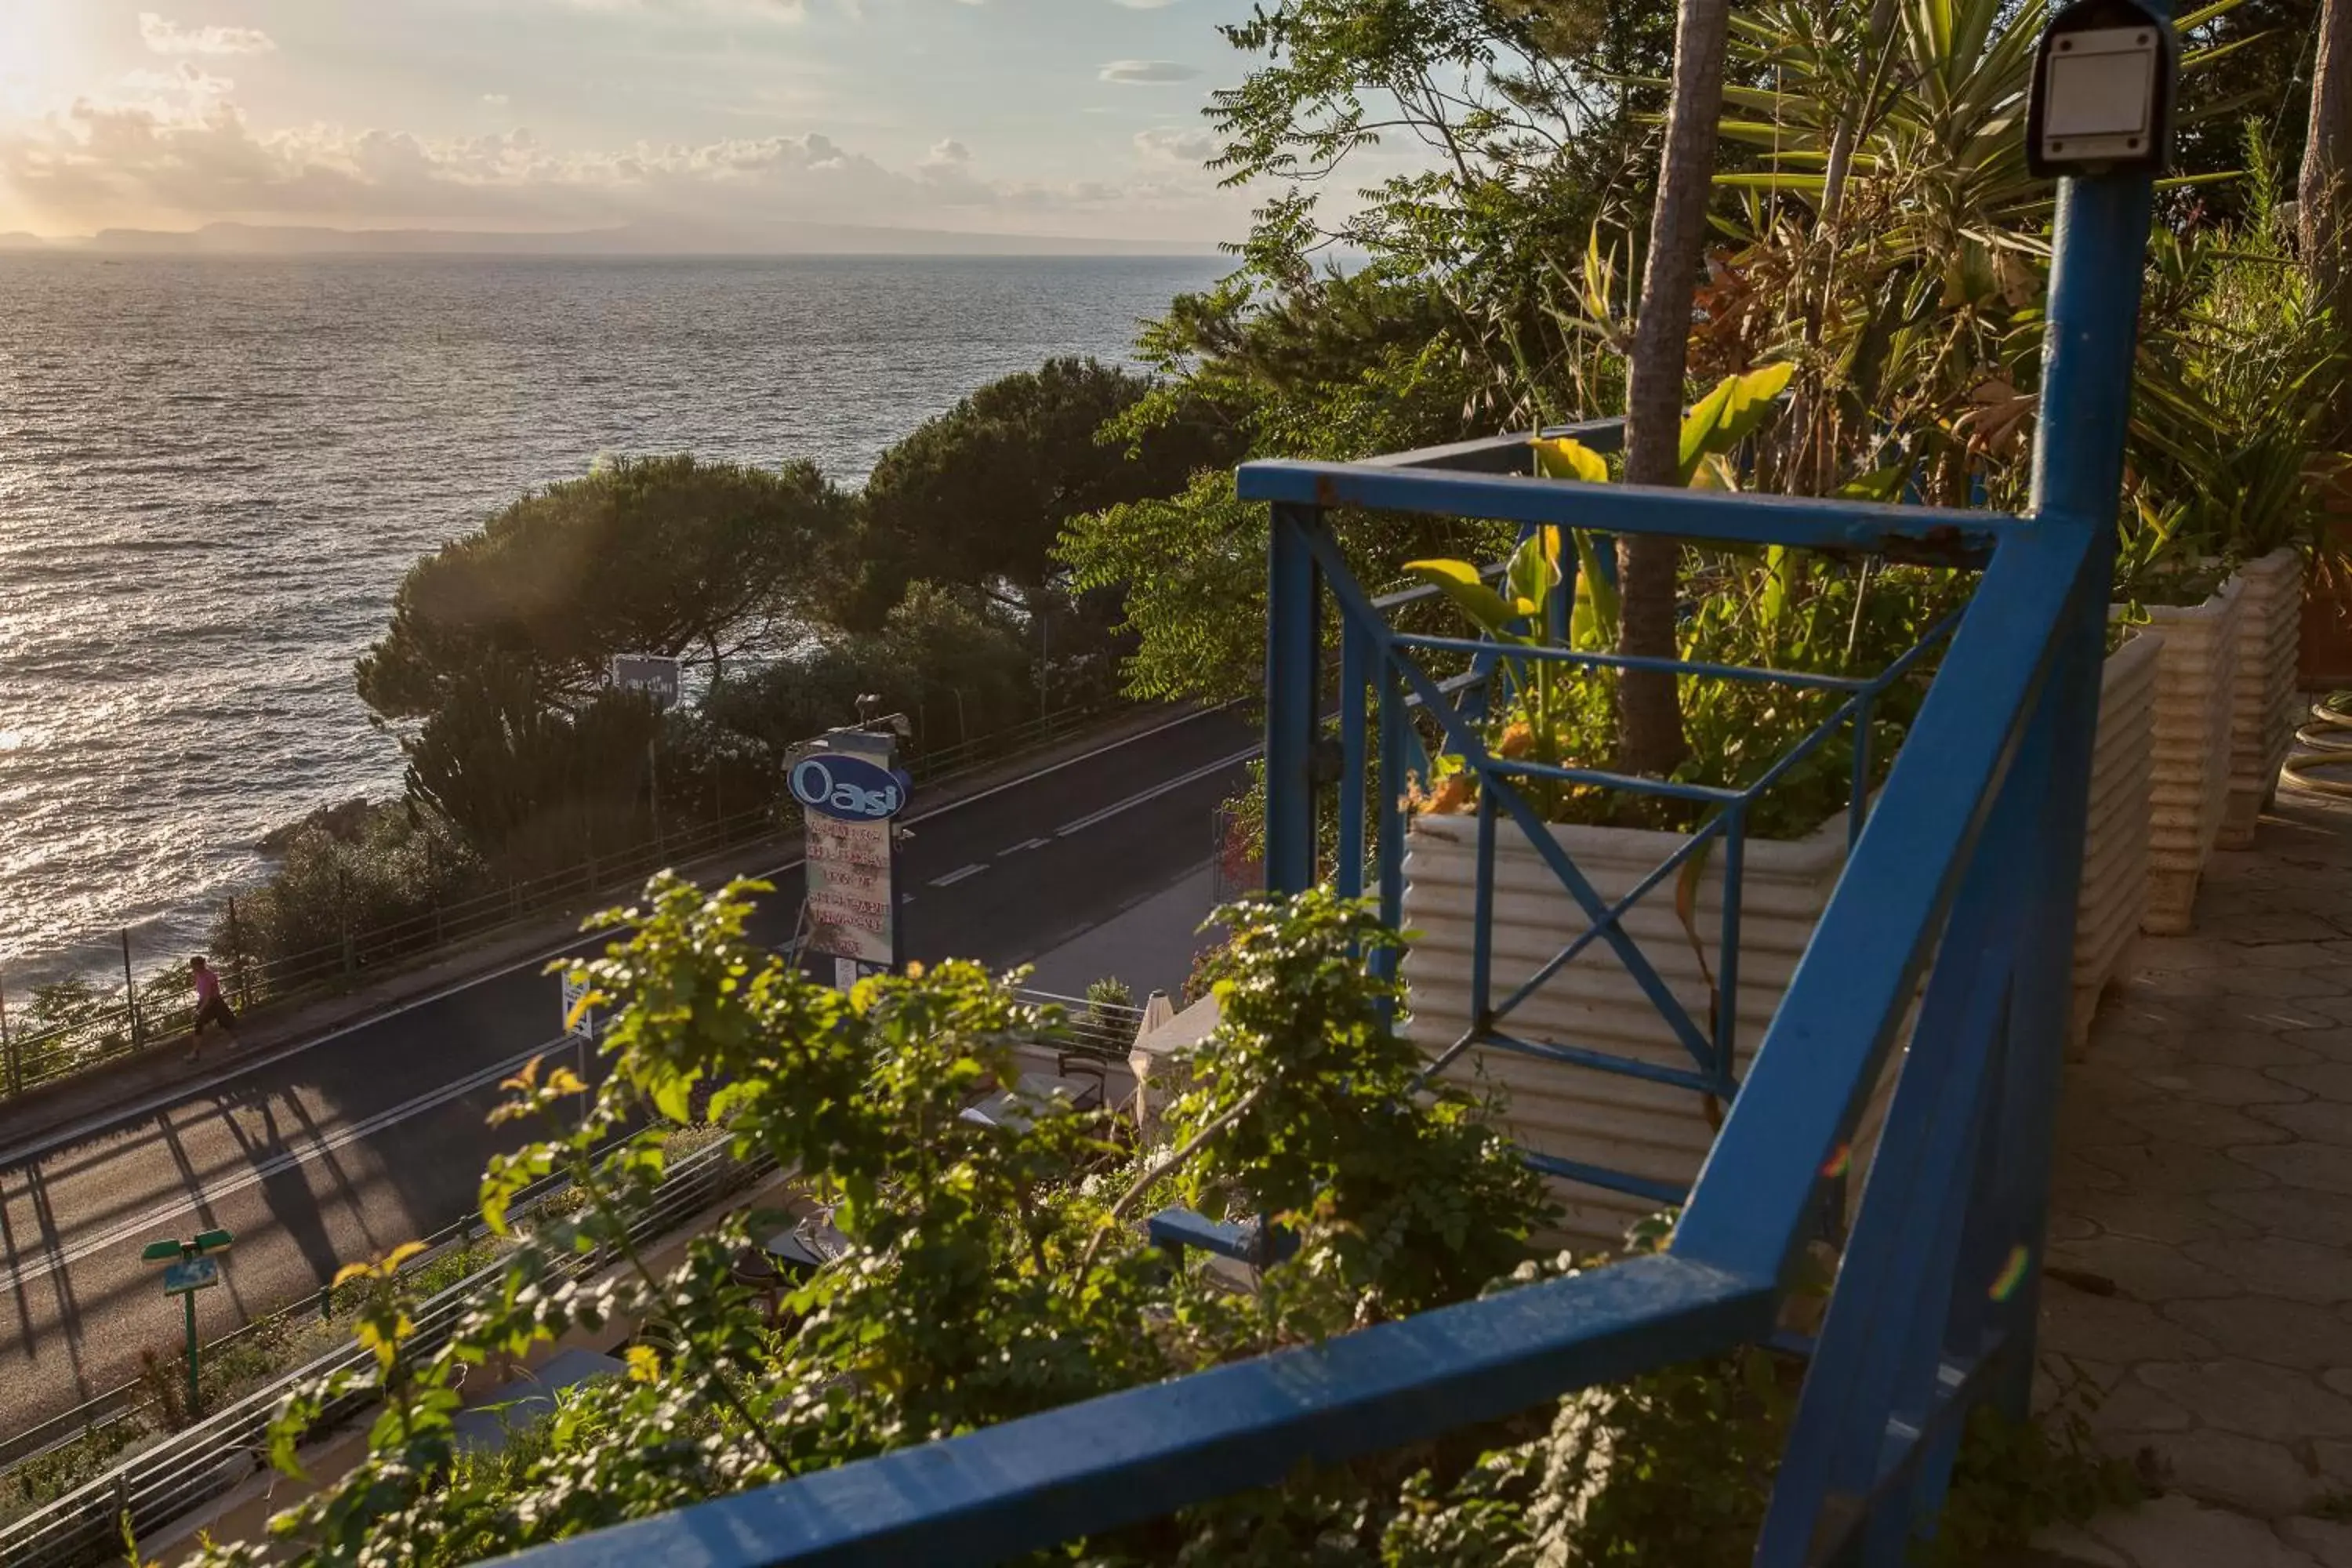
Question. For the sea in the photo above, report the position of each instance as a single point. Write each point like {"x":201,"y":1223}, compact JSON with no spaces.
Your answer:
{"x":214,"y":471}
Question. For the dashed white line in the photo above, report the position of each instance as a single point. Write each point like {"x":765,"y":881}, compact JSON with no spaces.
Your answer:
{"x":1155,"y":792}
{"x":953,"y":877}
{"x":1017,"y":848}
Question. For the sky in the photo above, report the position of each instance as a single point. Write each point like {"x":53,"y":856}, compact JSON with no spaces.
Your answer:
{"x":1073,"y":118}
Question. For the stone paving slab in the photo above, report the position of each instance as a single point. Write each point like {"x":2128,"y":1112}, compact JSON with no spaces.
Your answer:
{"x":2199,"y":1281}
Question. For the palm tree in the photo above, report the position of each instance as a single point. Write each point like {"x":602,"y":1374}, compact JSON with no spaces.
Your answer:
{"x":1650,"y":731}
{"x":2320,"y":192}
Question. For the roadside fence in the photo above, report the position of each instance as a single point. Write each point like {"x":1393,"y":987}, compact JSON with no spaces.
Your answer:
{"x":172,"y":1477}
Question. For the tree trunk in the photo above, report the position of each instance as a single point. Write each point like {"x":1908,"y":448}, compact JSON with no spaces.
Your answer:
{"x":1650,"y":729}
{"x":2322,"y":208}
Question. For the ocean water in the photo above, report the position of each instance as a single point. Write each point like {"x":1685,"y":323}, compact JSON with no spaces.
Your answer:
{"x":214,"y":471}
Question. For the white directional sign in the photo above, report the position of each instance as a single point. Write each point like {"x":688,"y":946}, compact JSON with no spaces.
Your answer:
{"x":657,"y":675}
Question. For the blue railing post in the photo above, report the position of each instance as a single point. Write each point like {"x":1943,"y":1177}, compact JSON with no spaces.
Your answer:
{"x":1293,"y":653}
{"x":2078,"y":463}
{"x":1356,"y":655}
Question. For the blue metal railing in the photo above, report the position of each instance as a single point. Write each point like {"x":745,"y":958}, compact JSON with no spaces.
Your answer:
{"x":1968,"y":863}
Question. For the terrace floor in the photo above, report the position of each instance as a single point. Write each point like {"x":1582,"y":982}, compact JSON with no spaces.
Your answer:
{"x":2199,"y":1269}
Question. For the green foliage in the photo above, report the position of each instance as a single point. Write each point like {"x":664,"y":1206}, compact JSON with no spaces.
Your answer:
{"x":1539,"y":132}
{"x":1401,"y":1202}
{"x":644,"y":555}
{"x":1193,"y":570}
{"x":1770,"y":608}
{"x":978,"y":495}
{"x":39,"y":1480}
{"x":530,"y":784}
{"x":2012,"y":1481}
{"x":989,"y":1273}
{"x":1109,"y":996}
{"x":389,"y":870}
{"x":954,"y":661}
{"x":2239,"y":372}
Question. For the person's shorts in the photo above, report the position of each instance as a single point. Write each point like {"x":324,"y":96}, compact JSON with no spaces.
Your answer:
{"x":215,"y":1011}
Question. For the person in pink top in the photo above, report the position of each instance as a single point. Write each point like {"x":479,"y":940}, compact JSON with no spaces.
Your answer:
{"x":210,"y":1007}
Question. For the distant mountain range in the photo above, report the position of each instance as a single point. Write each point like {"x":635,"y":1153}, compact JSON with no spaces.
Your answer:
{"x":631,"y":240}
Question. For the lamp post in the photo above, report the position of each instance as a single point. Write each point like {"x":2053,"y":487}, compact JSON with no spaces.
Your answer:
{"x":192,"y":1266}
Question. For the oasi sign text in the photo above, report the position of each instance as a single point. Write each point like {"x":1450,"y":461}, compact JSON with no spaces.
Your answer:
{"x":850,"y":788}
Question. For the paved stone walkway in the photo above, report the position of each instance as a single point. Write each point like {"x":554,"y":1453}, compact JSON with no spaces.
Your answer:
{"x":2200,"y":1259}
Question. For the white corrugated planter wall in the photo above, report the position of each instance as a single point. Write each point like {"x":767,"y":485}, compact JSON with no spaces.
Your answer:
{"x":2195,"y":676}
{"x":2114,"y":843}
{"x":1599,"y":1118}
{"x":2262,"y":704}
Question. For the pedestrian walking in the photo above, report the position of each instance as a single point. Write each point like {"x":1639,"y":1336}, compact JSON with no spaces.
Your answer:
{"x":210,"y":1007}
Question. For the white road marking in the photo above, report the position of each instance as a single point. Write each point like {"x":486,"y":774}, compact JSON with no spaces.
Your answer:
{"x":953,"y":877}
{"x":1017,"y":848}
{"x":118,"y":1116}
{"x":159,"y":1217}
{"x":1154,"y":793}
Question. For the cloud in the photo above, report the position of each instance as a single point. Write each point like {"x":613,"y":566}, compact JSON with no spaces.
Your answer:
{"x":496,"y":99}
{"x":167,"y":38}
{"x":172,"y":151}
{"x":1144,"y":5}
{"x":789,"y":12}
{"x":1147,"y":73}
{"x":1176,"y":144}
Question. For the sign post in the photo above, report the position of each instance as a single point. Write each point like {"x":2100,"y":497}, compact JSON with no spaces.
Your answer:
{"x":660,"y":677}
{"x":578,"y":1022}
{"x":851,"y":791}
{"x":189,"y":1267}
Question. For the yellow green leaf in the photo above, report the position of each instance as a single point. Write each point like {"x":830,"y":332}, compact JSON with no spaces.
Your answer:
{"x":1459,"y":582}
{"x":1564,"y":457}
{"x":1729,"y":413}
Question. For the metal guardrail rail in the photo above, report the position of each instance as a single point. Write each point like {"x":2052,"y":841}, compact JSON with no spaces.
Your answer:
{"x":168,"y":1480}
{"x":31,"y":1060}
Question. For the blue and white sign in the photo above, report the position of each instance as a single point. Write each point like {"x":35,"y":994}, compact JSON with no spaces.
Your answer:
{"x":847,"y":788}
{"x":192,"y":1274}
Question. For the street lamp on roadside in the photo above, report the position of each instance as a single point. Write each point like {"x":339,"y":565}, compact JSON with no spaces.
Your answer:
{"x":192,"y":1266}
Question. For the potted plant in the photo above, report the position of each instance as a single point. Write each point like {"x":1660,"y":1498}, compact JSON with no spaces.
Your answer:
{"x":1770,"y":608}
{"x":2196,"y":603}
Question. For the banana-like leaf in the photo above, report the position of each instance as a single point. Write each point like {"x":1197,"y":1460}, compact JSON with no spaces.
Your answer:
{"x":1534,"y":571}
{"x":1459,"y":582}
{"x":1789,"y":181}
{"x":1730,"y":414}
{"x":1565,"y":457}
{"x":1595,"y":622}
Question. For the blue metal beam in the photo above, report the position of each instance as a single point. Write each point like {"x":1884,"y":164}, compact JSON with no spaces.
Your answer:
{"x":1294,"y":633}
{"x":1954,"y":537}
{"x":1095,"y":1465}
{"x":1851,"y":990}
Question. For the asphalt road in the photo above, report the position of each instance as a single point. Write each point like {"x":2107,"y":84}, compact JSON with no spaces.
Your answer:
{"x":338,"y":1149}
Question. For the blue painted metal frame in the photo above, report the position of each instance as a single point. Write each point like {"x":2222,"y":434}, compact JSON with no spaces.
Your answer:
{"x":1373,"y":651}
{"x":1968,"y":863}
